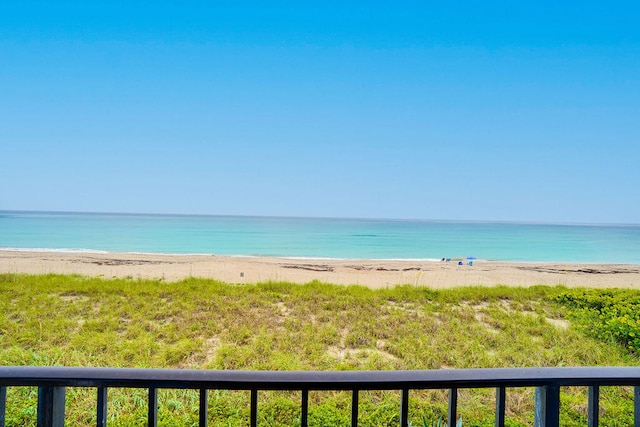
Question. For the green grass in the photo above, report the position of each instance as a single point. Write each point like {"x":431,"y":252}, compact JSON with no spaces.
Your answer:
{"x":203,"y":324}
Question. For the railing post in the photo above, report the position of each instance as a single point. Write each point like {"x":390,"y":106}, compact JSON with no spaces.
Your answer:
{"x":593,"y":406}
{"x":101,"y":409}
{"x":51,"y":406}
{"x":453,"y":407}
{"x":500,"y":406}
{"x":636,"y":406}
{"x":547,"y":406}
{"x":254,"y":408}
{"x":152,"y":419}
{"x":3,"y":404}
{"x":404,"y":408}
{"x":304,"y":408}
{"x":202,"y":414}
{"x":354,"y":408}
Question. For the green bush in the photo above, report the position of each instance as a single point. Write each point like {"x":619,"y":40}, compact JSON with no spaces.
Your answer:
{"x":608,"y":314}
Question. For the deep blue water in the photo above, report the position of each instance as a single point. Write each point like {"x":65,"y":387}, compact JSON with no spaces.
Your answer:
{"x":319,"y":237}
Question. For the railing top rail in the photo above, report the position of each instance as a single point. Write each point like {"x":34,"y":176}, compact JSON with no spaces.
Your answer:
{"x":316,"y":380}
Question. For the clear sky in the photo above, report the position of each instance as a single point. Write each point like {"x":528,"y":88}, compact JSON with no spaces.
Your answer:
{"x":516,"y":111}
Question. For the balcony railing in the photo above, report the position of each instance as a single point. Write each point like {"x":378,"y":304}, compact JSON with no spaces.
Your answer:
{"x":52,"y":381}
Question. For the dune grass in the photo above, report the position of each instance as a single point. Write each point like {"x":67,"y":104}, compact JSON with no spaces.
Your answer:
{"x":203,"y":324}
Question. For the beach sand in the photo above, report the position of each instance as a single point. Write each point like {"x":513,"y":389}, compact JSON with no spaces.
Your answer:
{"x":371,"y":273}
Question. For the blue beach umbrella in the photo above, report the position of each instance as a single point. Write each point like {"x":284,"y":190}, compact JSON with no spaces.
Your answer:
{"x":471,"y":258}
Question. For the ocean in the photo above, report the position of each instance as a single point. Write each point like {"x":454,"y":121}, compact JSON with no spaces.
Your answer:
{"x":318,"y":237}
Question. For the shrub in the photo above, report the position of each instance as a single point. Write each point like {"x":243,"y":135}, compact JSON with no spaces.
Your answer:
{"x":608,"y":314}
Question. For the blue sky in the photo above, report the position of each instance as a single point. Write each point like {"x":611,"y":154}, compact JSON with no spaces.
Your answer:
{"x":432,"y":110}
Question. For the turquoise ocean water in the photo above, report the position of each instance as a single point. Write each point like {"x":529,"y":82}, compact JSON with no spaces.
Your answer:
{"x":318,"y":237}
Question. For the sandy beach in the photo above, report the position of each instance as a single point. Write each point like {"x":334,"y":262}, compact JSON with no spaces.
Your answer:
{"x":372,"y":273}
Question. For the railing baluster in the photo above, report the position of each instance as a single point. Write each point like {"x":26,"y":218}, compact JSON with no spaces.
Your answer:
{"x":3,"y":404}
{"x":152,"y":419}
{"x":304,"y":408}
{"x":636,"y":406}
{"x":51,"y":406}
{"x":547,"y":406}
{"x":203,"y":408}
{"x":404,"y":408}
{"x":453,"y":406}
{"x":254,"y":408}
{"x":500,"y":406}
{"x":354,"y":408}
{"x":539,"y":407}
{"x":593,"y":406}
{"x":101,"y":407}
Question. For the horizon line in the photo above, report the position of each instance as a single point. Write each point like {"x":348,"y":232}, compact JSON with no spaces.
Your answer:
{"x":460,"y":221}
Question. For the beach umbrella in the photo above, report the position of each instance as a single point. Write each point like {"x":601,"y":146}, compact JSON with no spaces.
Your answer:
{"x":470,"y":258}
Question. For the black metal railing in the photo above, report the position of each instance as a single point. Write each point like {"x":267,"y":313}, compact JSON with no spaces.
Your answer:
{"x":52,"y":382}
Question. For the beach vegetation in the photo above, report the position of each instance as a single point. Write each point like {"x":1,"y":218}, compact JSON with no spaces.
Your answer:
{"x":56,"y":320}
{"x":610,"y":315}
